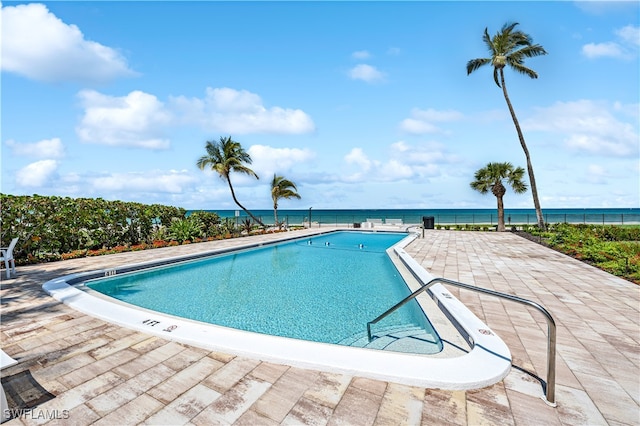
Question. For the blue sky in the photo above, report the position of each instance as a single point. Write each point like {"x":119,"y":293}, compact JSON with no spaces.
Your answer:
{"x":362,"y":104}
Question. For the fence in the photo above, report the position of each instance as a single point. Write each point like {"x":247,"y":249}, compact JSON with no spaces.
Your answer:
{"x":464,"y":219}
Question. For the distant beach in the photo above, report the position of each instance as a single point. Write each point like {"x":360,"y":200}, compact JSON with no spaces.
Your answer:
{"x":607,"y":216}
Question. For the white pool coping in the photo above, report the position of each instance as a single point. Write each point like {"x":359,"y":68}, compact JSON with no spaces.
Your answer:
{"x":488,"y":362}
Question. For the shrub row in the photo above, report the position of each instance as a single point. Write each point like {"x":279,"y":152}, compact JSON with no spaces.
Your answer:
{"x":615,"y":249}
{"x":600,"y":232}
{"x":47,"y":227}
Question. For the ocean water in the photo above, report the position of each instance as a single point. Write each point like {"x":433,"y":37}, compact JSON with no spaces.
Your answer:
{"x":445,"y":216}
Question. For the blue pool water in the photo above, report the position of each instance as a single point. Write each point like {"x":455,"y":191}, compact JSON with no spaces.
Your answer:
{"x":324,"y":289}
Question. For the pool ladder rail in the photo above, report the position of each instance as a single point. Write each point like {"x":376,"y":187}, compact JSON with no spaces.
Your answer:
{"x":548,"y":387}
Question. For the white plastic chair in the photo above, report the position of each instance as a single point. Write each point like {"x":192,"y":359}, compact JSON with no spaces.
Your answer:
{"x":7,"y":257}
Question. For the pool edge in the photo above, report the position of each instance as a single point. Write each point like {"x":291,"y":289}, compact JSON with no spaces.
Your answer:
{"x":488,"y":362}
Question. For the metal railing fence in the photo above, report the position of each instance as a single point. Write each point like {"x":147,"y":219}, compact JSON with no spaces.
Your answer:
{"x":462,"y":219}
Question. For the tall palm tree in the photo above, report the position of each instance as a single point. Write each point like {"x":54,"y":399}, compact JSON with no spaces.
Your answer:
{"x":228,"y":156}
{"x":281,"y":188}
{"x":511,"y":47}
{"x":490,"y":177}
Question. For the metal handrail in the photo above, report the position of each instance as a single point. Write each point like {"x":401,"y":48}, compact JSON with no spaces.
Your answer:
{"x":550,"y":389}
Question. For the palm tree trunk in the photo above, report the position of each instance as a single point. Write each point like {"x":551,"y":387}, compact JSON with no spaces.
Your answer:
{"x":500,"y":214}
{"x":275,"y":216}
{"x":532,"y":179}
{"x":233,"y":194}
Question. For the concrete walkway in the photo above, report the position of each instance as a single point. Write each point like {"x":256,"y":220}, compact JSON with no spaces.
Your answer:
{"x":74,"y":369}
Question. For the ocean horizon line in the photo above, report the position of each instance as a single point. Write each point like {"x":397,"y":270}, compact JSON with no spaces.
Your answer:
{"x":441,"y":216}
{"x":433,"y":209}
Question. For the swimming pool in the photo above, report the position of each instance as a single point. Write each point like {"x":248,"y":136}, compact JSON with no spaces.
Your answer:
{"x":486,"y":361}
{"x":323,"y":289}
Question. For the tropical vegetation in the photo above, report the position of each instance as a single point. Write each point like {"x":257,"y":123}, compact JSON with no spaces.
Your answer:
{"x":510,"y":47}
{"x":58,"y":228}
{"x":224,"y":157}
{"x":491,"y":177}
{"x":281,"y":188}
{"x":614,"y":249}
{"x":47,"y":227}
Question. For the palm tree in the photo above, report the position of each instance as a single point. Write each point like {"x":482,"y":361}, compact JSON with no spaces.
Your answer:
{"x":490,"y":177}
{"x":511,"y":47}
{"x":228,"y":156}
{"x":281,"y":188}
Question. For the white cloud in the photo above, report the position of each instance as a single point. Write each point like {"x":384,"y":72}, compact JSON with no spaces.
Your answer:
{"x":268,"y":160}
{"x":395,"y":169}
{"x":626,"y":47}
{"x":435,"y":115}
{"x":364,"y":165}
{"x":37,"y":174}
{"x":598,"y":50}
{"x":38,"y":45}
{"x":46,"y":148}
{"x":431,"y":153}
{"x":173,"y":182}
{"x":361,"y":54}
{"x":241,"y":112}
{"x":417,"y":127}
{"x":135,"y":120}
{"x":424,"y":121}
{"x":169,"y":187}
{"x":403,"y":162}
{"x":631,"y":110}
{"x":357,"y":156}
{"x":366,"y":73}
{"x":629,"y":35}
{"x":589,"y":127}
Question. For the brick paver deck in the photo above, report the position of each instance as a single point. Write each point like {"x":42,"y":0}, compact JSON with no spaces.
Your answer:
{"x":75,"y":369}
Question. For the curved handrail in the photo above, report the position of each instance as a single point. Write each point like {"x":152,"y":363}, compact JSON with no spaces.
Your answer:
{"x":551,"y":325}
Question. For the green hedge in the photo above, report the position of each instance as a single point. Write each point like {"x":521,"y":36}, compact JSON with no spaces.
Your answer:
{"x":47,"y":227}
{"x":612,"y":248}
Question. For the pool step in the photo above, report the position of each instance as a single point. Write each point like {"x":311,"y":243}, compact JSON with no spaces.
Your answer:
{"x":360,"y":339}
{"x":408,"y":338}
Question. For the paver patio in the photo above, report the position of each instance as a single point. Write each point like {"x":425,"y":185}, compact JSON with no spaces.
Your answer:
{"x":75,"y":369}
